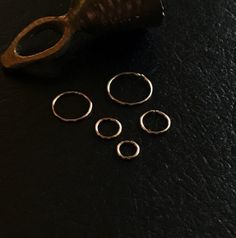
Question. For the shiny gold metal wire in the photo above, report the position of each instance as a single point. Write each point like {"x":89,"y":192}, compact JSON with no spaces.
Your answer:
{"x":128,"y":157}
{"x":152,"y":131}
{"x":54,"y":102}
{"x":108,"y":119}
{"x":130,"y":74}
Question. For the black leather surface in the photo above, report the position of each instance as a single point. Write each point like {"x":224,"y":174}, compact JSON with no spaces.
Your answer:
{"x":59,"y":180}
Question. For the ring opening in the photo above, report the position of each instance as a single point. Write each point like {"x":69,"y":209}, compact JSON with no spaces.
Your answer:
{"x":155,"y":121}
{"x":40,"y":38}
{"x":128,"y":149}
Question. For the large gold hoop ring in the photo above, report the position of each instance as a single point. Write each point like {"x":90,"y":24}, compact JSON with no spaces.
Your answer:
{"x":130,"y":103}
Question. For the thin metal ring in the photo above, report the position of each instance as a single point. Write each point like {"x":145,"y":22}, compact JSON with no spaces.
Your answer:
{"x":128,"y":157}
{"x":130,"y":103}
{"x":151,"y":131}
{"x":112,"y":120}
{"x":72,"y":119}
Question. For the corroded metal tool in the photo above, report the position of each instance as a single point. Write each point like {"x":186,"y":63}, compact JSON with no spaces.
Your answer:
{"x":88,"y":16}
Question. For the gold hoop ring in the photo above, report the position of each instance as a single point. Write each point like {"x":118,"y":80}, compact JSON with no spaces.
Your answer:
{"x":112,"y":120}
{"x":151,"y":131}
{"x":54,"y":102}
{"x":130,"y":103}
{"x":128,"y":157}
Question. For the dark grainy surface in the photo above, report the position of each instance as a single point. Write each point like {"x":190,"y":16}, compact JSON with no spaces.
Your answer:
{"x":60,"y":180}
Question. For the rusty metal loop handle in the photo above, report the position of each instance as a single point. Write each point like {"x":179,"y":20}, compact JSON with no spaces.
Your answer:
{"x":11,"y":58}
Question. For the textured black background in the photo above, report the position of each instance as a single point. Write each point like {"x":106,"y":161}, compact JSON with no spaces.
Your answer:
{"x":59,"y":180}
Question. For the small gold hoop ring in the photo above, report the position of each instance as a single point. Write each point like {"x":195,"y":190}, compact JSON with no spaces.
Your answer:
{"x":54,"y":102}
{"x":130,"y":103}
{"x":112,"y":120}
{"x":128,"y":157}
{"x":151,"y":131}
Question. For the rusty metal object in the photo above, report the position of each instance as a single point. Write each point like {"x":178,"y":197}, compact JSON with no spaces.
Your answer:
{"x":86,"y":15}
